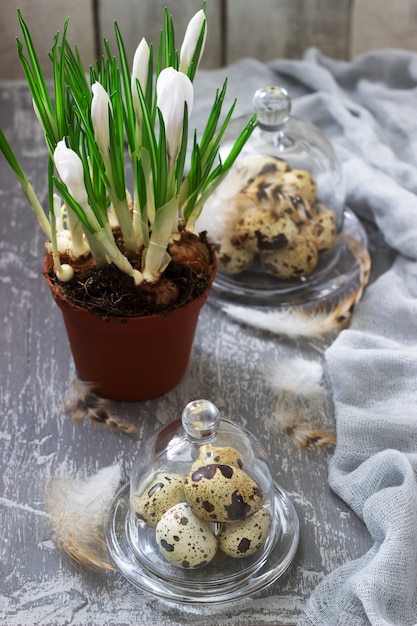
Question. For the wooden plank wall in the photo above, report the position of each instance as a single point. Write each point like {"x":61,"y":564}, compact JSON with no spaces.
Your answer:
{"x":44,"y":19}
{"x":265,"y":30}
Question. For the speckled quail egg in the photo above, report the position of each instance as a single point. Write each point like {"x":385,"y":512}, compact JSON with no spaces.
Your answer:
{"x":254,"y":165}
{"x":210,"y":454}
{"x":184,"y":539}
{"x":245,"y":212}
{"x":324,"y":228}
{"x":265,"y":227}
{"x":296,"y":260}
{"x":299,"y":182}
{"x":163,"y":492}
{"x":221,"y":493}
{"x":243,"y":539}
{"x":231,"y":259}
{"x":303,"y":212}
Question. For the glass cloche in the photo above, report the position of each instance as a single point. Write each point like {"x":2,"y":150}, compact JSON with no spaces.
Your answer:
{"x":277,"y":221}
{"x":202,"y":520}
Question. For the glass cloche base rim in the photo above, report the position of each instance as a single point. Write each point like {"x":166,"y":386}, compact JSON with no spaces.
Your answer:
{"x":276,"y":564}
{"x":341,"y":274}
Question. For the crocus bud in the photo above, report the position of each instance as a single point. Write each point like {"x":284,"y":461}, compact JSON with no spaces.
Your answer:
{"x":190,"y":41}
{"x":174,"y":89}
{"x":100,"y":106}
{"x":70,"y":170}
{"x":140,"y":70}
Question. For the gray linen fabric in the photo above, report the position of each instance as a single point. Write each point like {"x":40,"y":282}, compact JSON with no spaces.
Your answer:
{"x":373,"y":373}
{"x":368,"y":109}
{"x":370,"y":117}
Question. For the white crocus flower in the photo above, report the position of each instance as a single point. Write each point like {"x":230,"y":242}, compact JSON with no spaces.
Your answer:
{"x":100,"y":107}
{"x":71,"y":172}
{"x":140,"y":70}
{"x":174,"y":89}
{"x":190,"y":41}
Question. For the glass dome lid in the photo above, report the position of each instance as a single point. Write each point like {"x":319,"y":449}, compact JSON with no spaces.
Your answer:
{"x":277,"y":221}
{"x":202,"y":520}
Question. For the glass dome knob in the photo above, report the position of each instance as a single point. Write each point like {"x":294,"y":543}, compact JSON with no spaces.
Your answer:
{"x":200,"y":419}
{"x":273,"y":106}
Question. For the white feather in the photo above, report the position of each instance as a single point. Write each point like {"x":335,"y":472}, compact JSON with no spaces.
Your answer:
{"x":77,"y":510}
{"x":301,"y":376}
{"x":291,"y":322}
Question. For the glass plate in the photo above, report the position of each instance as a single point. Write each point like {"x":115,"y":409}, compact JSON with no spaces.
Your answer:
{"x":189,"y":586}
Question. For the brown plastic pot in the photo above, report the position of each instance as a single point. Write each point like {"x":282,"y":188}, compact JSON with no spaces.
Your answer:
{"x":130,"y":358}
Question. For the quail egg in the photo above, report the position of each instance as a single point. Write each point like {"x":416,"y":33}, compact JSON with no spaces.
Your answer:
{"x":243,"y":539}
{"x":294,"y":261}
{"x":163,"y":492}
{"x":324,"y":227}
{"x":185,"y":540}
{"x":231,"y":259}
{"x":254,"y":165}
{"x":300,"y":181}
{"x":221,"y":493}
{"x":265,"y":227}
{"x":210,"y":454}
{"x":303,"y":212}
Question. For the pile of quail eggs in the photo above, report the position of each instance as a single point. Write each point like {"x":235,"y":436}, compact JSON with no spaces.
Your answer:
{"x":217,"y":506}
{"x":273,"y":217}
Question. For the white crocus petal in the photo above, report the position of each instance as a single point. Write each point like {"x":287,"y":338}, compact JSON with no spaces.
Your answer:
{"x":174,"y":89}
{"x":190,"y":40}
{"x":140,"y":69}
{"x":100,"y":106}
{"x":70,"y":170}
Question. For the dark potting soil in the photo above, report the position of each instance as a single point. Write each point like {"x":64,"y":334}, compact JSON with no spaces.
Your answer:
{"x":111,"y":292}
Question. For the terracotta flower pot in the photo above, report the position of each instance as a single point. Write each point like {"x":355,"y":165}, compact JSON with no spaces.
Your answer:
{"x":130,"y":358}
